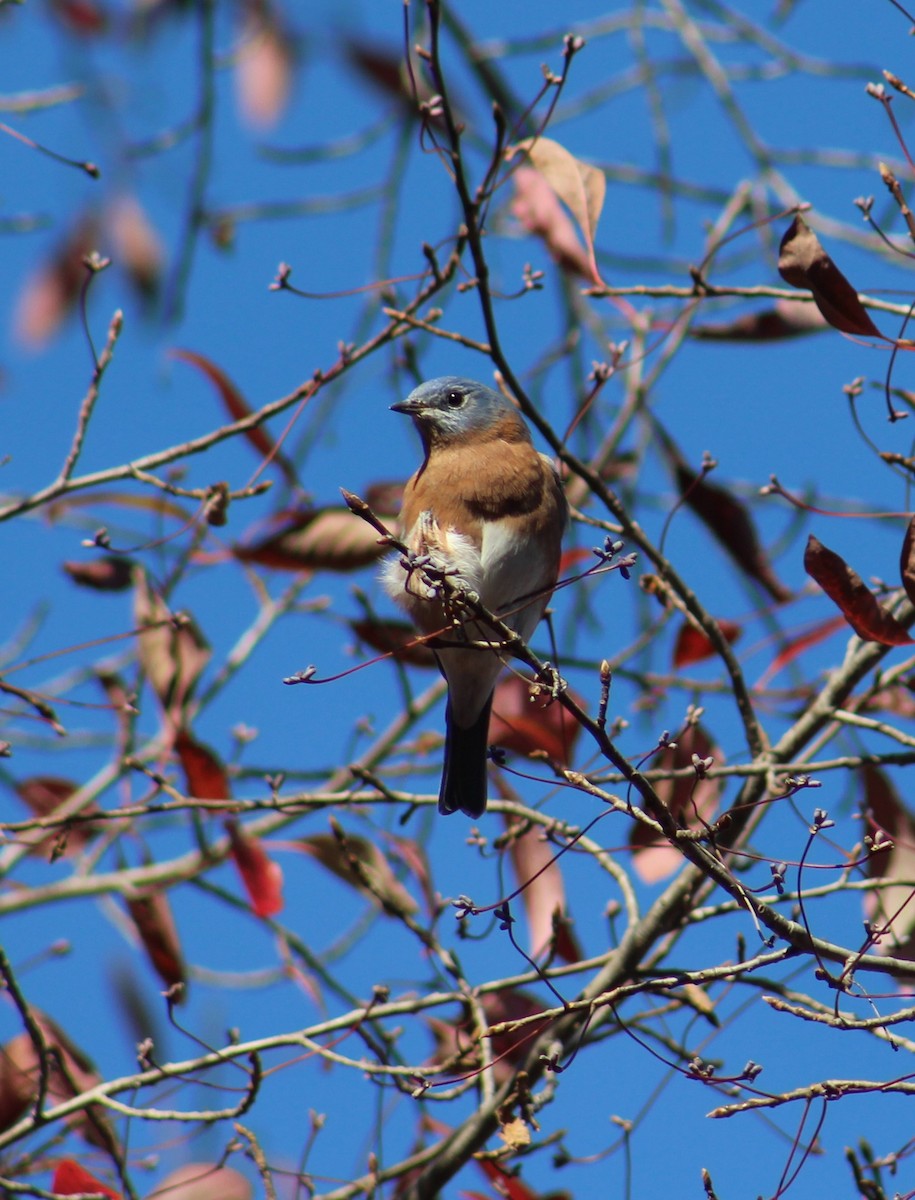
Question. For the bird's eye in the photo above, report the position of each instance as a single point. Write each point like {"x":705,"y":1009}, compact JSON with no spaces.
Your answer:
{"x":455,"y":399}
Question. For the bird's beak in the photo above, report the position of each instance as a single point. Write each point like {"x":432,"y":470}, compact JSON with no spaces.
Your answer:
{"x":409,"y":407}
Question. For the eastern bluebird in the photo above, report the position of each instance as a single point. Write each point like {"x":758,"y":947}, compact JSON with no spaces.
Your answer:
{"x":488,"y":509}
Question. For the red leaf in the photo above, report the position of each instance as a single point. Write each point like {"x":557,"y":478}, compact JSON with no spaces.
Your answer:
{"x":858,"y":604}
{"x":263,"y":878}
{"x":70,"y":1179}
{"x":237,"y":408}
{"x":152,"y":916}
{"x":573,"y":557}
{"x":81,"y":16}
{"x":385,"y":69}
{"x":506,"y":1184}
{"x":205,"y":776}
{"x":797,"y":645}
{"x":804,"y":263}
{"x":689,"y":799}
{"x":531,"y":724}
{"x":693,"y":646}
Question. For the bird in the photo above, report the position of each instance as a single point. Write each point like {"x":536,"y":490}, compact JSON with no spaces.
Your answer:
{"x":487,"y":511}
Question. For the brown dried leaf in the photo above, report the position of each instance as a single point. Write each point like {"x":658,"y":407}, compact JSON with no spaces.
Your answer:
{"x":845,"y":587}
{"x":385,"y":69}
{"x":537,"y":207}
{"x":693,"y":646}
{"x":690,"y":800}
{"x":152,"y":916}
{"x":43,"y":794}
{"x":70,"y":1073}
{"x":262,"y":877}
{"x":509,"y":1048}
{"x":895,"y":905}
{"x":786,"y":319}
{"x":729,"y":520}
{"x":531,"y":723}
{"x":907,"y":561}
{"x":370,"y":874}
{"x":581,"y":186}
{"x":172,"y":650}
{"x":804,"y":263}
{"x":113,"y":573}
{"x":316,"y":539}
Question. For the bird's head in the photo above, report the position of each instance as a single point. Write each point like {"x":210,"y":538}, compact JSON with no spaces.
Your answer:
{"x":451,"y":409}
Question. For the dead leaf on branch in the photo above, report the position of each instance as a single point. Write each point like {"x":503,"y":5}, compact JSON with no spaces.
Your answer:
{"x":155,"y":925}
{"x":530,"y":722}
{"x":539,"y":874}
{"x":729,"y":520}
{"x":316,"y":539}
{"x":786,"y":319}
{"x":205,"y":775}
{"x":857,"y":603}
{"x":44,"y":794}
{"x":172,"y":651}
{"x":537,"y":207}
{"x":804,"y":263}
{"x":895,"y":905}
{"x":238,"y":409}
{"x":362,"y":865}
{"x":579,"y":185}
{"x":70,"y":1073}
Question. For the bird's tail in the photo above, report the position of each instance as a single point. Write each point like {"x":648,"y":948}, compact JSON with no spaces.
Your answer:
{"x":464,"y":780}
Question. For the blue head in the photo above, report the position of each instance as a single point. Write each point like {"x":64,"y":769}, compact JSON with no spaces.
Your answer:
{"x":451,"y":409}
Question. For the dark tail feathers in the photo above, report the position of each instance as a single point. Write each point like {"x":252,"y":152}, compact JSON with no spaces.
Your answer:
{"x":464,"y":779}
